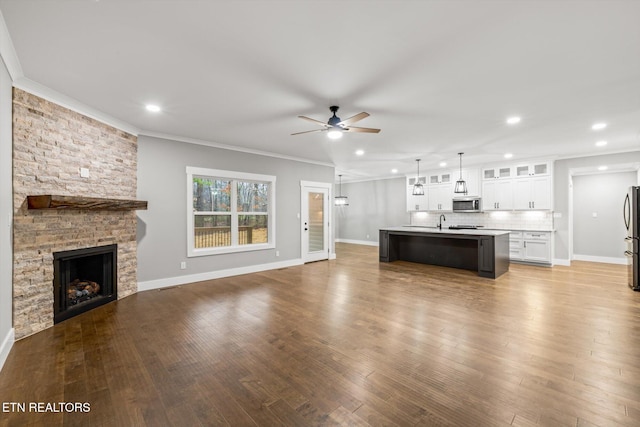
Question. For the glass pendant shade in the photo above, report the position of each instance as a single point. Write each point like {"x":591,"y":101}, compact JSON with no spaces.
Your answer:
{"x":340,"y":200}
{"x":461,"y":186}
{"x":418,"y":189}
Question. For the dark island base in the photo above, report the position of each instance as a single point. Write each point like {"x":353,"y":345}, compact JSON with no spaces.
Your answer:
{"x":488,"y":255}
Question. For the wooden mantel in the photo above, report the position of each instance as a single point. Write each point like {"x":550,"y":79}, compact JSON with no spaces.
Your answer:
{"x":77,"y":202}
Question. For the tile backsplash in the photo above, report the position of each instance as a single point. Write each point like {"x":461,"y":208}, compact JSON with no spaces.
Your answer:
{"x":504,"y":220}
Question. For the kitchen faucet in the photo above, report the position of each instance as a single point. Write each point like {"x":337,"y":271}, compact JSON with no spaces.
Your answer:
{"x":442,"y":218}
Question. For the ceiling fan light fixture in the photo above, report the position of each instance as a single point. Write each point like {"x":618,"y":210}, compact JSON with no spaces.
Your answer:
{"x":461,"y":185}
{"x":335,"y":127}
{"x":334,"y":134}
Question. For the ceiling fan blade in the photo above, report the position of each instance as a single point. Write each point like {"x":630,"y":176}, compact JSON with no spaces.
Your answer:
{"x":314,"y":121}
{"x":361,"y":130}
{"x":353,"y":119}
{"x":309,"y":131}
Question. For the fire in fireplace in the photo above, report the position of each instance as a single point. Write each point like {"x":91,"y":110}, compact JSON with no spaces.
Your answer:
{"x":83,"y":279}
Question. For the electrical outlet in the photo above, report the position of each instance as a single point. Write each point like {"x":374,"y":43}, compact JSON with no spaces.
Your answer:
{"x":367,"y":236}
{"x":277,"y":253}
{"x":183,"y":265}
{"x":84,"y":173}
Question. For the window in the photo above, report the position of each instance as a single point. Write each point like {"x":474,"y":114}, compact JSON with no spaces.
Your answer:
{"x":229,"y":211}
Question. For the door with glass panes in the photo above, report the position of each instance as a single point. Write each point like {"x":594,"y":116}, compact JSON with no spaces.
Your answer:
{"x":315,"y":223}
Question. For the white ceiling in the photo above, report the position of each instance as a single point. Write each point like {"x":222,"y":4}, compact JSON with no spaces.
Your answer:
{"x":438,"y":77}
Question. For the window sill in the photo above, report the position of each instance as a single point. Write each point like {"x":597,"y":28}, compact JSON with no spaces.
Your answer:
{"x":229,"y":249}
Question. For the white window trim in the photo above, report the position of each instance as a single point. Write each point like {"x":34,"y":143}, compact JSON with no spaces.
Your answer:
{"x":218,"y":173}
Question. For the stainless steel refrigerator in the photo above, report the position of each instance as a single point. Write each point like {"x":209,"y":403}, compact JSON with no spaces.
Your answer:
{"x":631,"y":211}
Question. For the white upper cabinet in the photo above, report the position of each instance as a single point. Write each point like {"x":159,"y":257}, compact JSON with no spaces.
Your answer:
{"x":411,"y":180}
{"x":497,"y":195}
{"x":437,"y":178}
{"x":532,"y":169}
{"x":502,"y":172}
{"x":440,"y":197}
{"x":532,"y":193}
{"x":526,"y":186}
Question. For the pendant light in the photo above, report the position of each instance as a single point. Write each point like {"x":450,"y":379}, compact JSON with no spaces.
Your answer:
{"x":461,"y":186}
{"x":340,"y":200}
{"x":418,"y":189}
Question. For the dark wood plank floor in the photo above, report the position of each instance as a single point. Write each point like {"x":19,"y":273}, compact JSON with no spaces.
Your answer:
{"x":346,"y":342}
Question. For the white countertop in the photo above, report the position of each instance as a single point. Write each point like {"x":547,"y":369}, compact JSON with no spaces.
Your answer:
{"x":535,"y":230}
{"x":435,"y":230}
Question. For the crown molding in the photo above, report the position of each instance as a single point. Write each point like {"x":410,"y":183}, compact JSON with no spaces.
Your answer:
{"x":373,"y":178}
{"x":196,"y":141}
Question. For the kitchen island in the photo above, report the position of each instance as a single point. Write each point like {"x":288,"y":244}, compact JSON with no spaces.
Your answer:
{"x":484,"y":251}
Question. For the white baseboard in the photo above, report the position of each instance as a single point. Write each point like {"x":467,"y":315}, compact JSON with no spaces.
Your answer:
{"x":5,"y":348}
{"x":562,"y":261}
{"x":218,"y":274}
{"x":358,"y":242}
{"x":605,"y":259}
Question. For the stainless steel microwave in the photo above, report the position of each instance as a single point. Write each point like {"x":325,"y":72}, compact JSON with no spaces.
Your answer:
{"x":467,"y":204}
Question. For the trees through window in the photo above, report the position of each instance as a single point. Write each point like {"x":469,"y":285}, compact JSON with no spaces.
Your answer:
{"x":231,"y":211}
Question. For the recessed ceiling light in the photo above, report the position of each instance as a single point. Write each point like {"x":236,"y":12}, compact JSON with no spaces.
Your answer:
{"x":394,"y":170}
{"x":513,"y":120}
{"x":601,"y":143}
{"x":153,"y":108}
{"x":443,"y":164}
{"x":508,"y":156}
{"x":599,"y":126}
{"x":359,"y":152}
{"x":602,"y":168}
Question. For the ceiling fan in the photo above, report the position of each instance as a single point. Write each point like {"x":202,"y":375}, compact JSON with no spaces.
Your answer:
{"x":336,"y":127}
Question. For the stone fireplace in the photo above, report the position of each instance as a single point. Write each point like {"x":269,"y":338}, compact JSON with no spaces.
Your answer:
{"x":57,"y":151}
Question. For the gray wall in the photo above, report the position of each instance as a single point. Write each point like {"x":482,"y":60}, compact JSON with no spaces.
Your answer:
{"x":162,"y":239}
{"x":603,"y":194}
{"x":372,"y":205}
{"x":562,"y":170}
{"x":6,"y":213}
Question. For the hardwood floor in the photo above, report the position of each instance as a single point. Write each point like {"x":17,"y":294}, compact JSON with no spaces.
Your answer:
{"x":346,"y":342}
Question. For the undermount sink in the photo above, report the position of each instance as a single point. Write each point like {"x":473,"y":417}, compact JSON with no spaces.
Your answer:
{"x":421,"y":226}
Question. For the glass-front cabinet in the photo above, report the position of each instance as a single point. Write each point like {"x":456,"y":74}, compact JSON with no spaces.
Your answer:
{"x":440,"y":178}
{"x":502,"y":172}
{"x":533,"y":169}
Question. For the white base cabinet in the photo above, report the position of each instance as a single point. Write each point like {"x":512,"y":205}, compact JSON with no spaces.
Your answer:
{"x":530,"y":246}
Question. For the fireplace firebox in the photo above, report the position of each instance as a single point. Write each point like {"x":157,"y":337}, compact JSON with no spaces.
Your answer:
{"x":83,"y":279}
